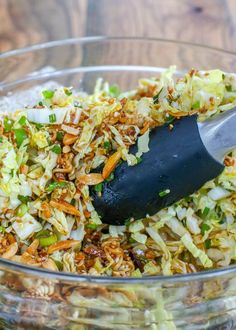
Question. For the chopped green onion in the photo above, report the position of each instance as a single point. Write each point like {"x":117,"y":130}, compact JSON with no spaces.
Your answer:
{"x":156,"y":97}
{"x":127,"y":221}
{"x":2,"y":229}
{"x":114,"y":90}
{"x":42,"y":233}
{"x":164,"y":192}
{"x":56,"y":149}
{"x":24,"y":199}
{"x":207,"y":244}
{"x":169,"y":119}
{"x":196,"y":105}
{"x":98,"y":187}
{"x":7,"y":123}
{"x":55,"y":185}
{"x":205,"y":211}
{"x":139,"y":160}
{"x":22,"y":121}
{"x":52,"y":118}
{"x":20,"y":135}
{"x":38,"y":126}
{"x":48,"y":94}
{"x":1,"y":139}
{"x":48,"y":240}
{"x":73,"y":202}
{"x":77,"y":104}
{"x":107,"y":145}
{"x":22,"y":210}
{"x":67,"y":91}
{"x":92,"y":226}
{"x":228,"y":88}
{"x":40,"y":104}
{"x":60,"y":135}
{"x":110,"y":177}
{"x":205,"y":227}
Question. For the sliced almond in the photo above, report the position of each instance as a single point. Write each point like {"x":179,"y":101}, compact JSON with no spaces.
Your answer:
{"x":49,"y":264}
{"x":33,"y":247}
{"x":62,"y":245}
{"x":70,"y":130}
{"x":111,"y":163}
{"x":46,"y":213}
{"x":11,"y":251}
{"x":69,"y":139}
{"x":65,"y":207}
{"x":91,"y":179}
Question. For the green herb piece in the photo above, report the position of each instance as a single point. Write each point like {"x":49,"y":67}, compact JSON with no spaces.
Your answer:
{"x":38,"y":126}
{"x":20,"y":135}
{"x":55,"y":185}
{"x":52,"y":118}
{"x":127,"y":222}
{"x":110,"y":177}
{"x":207,"y":244}
{"x":196,"y":105}
{"x":24,"y":199}
{"x":1,"y":139}
{"x":92,"y":226}
{"x":7,"y":123}
{"x":22,"y":210}
{"x":48,"y":240}
{"x":67,"y":91}
{"x":56,"y":149}
{"x":22,"y":121}
{"x":164,"y":192}
{"x":43,"y":233}
{"x":228,"y":88}
{"x":156,"y":97}
{"x":40,"y":104}
{"x":98,"y":187}
{"x":205,"y":211}
{"x":114,"y":90}
{"x":2,"y":229}
{"x":139,"y":160}
{"x":60,"y":135}
{"x":47,"y":94}
{"x":107,"y":145}
{"x":169,"y":120}
{"x":73,"y":202}
{"x":205,"y":227}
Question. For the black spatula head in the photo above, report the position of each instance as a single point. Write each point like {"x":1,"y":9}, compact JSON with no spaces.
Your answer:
{"x":176,"y":165}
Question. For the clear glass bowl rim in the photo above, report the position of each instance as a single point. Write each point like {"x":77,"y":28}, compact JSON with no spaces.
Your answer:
{"x":162,"y":279}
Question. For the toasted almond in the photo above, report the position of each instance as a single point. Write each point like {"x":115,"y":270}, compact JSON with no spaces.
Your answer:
{"x":46,"y":213}
{"x":145,"y":128}
{"x":91,"y":179}
{"x":111,"y":164}
{"x":33,"y":247}
{"x":70,"y":130}
{"x":11,"y":251}
{"x":69,"y":139}
{"x":62,"y":245}
{"x":49,"y":264}
{"x":24,"y":169}
{"x":182,"y":113}
{"x":65,"y":207}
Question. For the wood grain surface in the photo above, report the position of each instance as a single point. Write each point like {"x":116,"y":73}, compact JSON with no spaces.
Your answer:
{"x":209,"y":22}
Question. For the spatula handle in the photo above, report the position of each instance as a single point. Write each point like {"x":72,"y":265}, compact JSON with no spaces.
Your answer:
{"x":177,"y":163}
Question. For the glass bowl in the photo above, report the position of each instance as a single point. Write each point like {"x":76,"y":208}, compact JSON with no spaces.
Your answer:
{"x":33,"y":298}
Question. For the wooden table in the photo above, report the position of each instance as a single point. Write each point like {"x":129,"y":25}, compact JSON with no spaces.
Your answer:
{"x":209,"y":22}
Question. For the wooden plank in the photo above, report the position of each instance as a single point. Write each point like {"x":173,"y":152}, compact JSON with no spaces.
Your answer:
{"x":26,"y":22}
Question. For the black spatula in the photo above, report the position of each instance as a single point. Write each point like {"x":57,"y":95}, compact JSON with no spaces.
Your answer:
{"x":179,"y":162}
